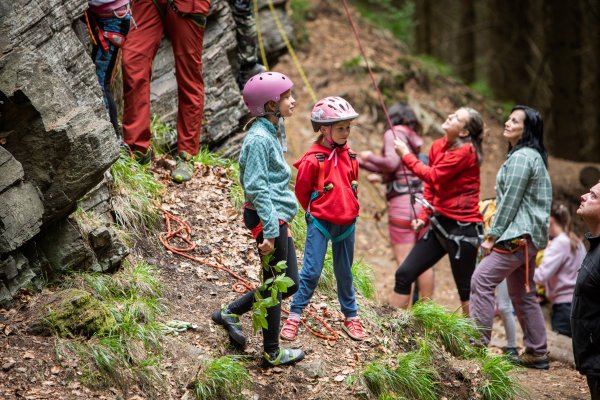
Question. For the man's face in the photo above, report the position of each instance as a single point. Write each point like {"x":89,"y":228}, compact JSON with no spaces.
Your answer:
{"x":589,"y":208}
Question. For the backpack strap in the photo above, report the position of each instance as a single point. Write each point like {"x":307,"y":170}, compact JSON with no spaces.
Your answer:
{"x":354,"y":163}
{"x":321,"y":178}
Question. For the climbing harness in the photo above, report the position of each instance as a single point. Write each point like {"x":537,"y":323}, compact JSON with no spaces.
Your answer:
{"x":511,"y":247}
{"x":323,"y":188}
{"x":443,"y":234}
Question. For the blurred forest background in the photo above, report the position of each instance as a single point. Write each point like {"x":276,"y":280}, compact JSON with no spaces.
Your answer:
{"x":542,"y":53}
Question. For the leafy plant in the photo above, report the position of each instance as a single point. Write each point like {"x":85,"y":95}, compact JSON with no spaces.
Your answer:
{"x":300,"y":9}
{"x":279,"y":284}
{"x":221,"y":379}
{"x":164,"y":136}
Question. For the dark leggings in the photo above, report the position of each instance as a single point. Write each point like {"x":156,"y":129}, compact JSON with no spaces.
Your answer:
{"x":429,"y":250}
{"x":284,"y":251}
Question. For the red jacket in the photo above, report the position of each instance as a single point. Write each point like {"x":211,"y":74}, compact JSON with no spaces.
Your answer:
{"x":451,"y":181}
{"x":339,"y":205}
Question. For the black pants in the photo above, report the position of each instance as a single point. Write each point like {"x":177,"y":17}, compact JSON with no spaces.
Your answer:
{"x":561,"y":318}
{"x":593,"y":382}
{"x":431,"y":248}
{"x":284,"y":251}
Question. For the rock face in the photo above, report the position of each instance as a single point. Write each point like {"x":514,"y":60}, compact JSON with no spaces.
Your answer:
{"x":56,"y":141}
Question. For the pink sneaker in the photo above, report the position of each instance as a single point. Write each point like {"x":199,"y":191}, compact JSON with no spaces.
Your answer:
{"x":289,"y":329}
{"x":354,"y":329}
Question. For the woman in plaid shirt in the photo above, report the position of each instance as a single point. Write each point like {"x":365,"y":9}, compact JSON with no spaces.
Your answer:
{"x":520,"y":228}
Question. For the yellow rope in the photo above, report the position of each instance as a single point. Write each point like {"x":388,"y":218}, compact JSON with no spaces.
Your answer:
{"x":263,"y":54}
{"x":291,"y":50}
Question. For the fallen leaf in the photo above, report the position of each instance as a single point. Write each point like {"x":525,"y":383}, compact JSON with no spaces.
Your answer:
{"x":28,"y":355}
{"x":55,"y":369}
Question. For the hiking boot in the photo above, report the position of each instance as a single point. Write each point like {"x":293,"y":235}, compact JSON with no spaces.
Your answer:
{"x":184,"y":169}
{"x":141,"y":157}
{"x":283,"y":357}
{"x":354,"y":329}
{"x":247,"y":73}
{"x":512,"y":354}
{"x":530,"y":360}
{"x":232,"y":324}
{"x":289,"y":329}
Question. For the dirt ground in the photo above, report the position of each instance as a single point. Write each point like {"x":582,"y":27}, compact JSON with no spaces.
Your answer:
{"x":31,"y":369}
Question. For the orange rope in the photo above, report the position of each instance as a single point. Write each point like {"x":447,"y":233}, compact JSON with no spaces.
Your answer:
{"x":522,"y":243}
{"x":180,"y":229}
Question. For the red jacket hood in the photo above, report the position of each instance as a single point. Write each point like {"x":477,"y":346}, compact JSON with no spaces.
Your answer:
{"x":320,"y":149}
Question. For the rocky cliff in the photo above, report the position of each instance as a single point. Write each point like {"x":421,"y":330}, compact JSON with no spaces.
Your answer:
{"x":56,"y":142}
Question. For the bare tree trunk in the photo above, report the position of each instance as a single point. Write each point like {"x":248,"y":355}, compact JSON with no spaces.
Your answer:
{"x":465,"y":43}
{"x":590,"y":83}
{"x":423,"y":26}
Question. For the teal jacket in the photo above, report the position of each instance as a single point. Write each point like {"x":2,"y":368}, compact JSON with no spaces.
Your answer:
{"x":265,"y":177}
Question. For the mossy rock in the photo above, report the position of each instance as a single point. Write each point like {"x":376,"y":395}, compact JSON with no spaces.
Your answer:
{"x":76,"y":312}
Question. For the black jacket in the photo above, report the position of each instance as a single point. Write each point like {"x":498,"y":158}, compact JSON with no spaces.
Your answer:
{"x":585,"y":312}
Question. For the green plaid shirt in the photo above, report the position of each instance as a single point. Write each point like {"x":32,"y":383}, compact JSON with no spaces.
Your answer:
{"x":524,"y":197}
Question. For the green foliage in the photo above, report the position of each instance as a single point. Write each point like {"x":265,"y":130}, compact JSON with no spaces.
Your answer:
{"x":221,"y":379}
{"x":130,"y":351}
{"x":412,"y":376}
{"x":483,"y":88}
{"x":207,"y":157}
{"x":362,"y":278}
{"x":164,"y":137}
{"x":298,"y":228}
{"x":357,"y":65}
{"x":433,"y":66}
{"x":498,"y":385}
{"x":385,"y":14}
{"x":452,"y":329}
{"x":299,"y":10}
{"x":134,"y":190}
{"x":279,"y":284}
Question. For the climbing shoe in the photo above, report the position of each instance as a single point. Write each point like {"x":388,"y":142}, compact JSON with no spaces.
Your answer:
{"x":289,"y":331}
{"x":142,"y":158}
{"x":232,"y":324}
{"x":282,"y":357}
{"x":184,"y":169}
{"x":530,"y":360}
{"x":354,"y":329}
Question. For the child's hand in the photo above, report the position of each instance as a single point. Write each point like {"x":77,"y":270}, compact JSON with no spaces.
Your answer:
{"x":417,"y":224}
{"x":266,"y":246}
{"x":401,"y":147}
{"x":365,"y":154}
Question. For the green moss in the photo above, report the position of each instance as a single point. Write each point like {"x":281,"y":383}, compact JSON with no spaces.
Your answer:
{"x":76,"y":312}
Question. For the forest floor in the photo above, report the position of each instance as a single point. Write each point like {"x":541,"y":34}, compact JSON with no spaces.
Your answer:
{"x":30,"y":369}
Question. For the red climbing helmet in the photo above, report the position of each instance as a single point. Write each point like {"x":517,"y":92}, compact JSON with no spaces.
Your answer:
{"x":330,"y":110}
{"x":264,"y":87}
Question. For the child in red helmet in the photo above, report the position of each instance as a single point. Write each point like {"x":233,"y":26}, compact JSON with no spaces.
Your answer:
{"x":326,"y":187}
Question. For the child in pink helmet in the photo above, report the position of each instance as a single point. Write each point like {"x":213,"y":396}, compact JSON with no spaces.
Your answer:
{"x":270,"y":207}
{"x":326,"y":187}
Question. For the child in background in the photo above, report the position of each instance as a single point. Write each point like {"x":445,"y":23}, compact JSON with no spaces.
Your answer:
{"x":270,"y":207}
{"x":109,"y":22}
{"x":558,"y":271}
{"x":326,"y":187}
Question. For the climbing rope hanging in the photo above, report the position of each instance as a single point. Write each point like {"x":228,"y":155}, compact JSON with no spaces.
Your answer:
{"x":381,"y":100}
{"x":261,"y":46}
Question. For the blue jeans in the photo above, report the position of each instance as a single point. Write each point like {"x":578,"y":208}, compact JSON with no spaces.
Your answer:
{"x":106,"y":62}
{"x":312,"y":266}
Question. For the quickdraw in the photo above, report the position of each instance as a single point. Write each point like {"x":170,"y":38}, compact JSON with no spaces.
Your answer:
{"x":323,"y":188}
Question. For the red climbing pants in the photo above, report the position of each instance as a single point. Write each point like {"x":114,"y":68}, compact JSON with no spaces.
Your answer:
{"x":138,"y":53}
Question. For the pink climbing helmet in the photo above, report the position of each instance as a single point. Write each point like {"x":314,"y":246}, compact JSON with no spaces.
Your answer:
{"x":264,"y":87}
{"x":330,"y":110}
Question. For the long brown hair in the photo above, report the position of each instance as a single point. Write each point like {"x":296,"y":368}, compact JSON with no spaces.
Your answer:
{"x":475,"y":128}
{"x":561,"y":215}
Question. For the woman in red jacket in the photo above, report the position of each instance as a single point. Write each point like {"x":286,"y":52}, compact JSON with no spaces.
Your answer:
{"x":451,"y":193}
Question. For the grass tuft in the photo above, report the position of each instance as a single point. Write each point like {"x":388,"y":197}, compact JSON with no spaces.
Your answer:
{"x":453,"y":330}
{"x":133,"y":191}
{"x":223,"y":378}
{"x":497,"y":383}
{"x":164,"y":137}
{"x":411,"y":376}
{"x":362,"y":278}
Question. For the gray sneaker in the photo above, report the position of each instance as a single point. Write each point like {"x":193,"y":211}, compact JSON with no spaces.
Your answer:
{"x":184,"y":169}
